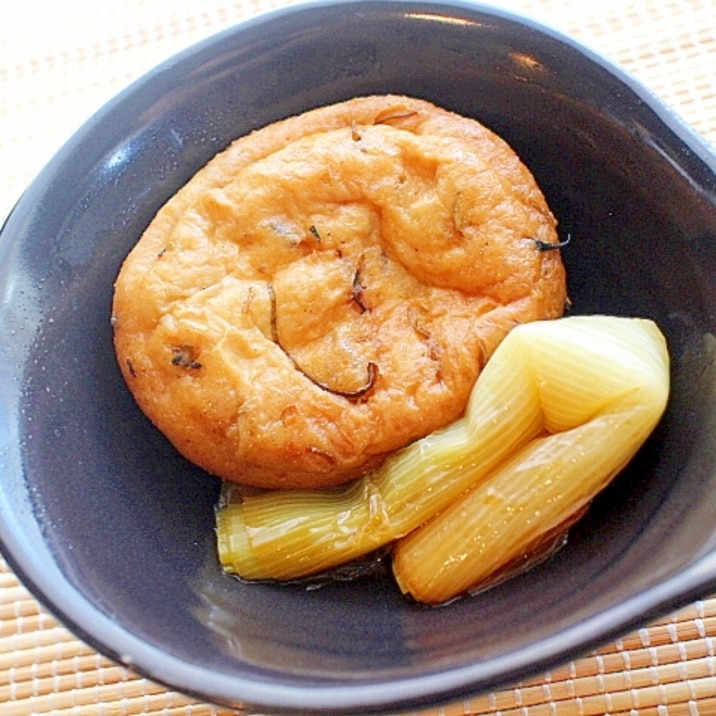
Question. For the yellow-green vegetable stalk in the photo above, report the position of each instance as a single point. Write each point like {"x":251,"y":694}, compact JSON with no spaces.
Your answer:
{"x":600,"y":406}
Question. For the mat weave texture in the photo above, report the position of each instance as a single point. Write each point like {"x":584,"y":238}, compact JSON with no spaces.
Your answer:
{"x":58,"y":64}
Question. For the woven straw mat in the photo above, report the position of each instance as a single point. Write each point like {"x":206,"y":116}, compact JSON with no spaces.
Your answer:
{"x":58,"y":64}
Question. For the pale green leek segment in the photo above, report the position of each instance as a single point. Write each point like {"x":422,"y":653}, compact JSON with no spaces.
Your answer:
{"x":286,"y":535}
{"x":607,"y":397}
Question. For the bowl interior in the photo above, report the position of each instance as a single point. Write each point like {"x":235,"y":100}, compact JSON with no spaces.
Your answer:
{"x":115,"y":531}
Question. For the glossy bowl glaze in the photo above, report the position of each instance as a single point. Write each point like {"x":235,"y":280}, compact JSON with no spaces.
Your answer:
{"x":113,"y":531}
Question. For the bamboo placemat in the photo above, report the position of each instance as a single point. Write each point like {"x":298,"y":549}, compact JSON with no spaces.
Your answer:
{"x":58,"y":64}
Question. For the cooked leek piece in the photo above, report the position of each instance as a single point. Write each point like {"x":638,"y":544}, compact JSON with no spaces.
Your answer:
{"x":604,"y":385}
{"x":288,"y":534}
{"x":526,"y":390}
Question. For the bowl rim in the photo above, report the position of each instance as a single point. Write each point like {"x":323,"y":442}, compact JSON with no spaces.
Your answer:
{"x":108,"y":637}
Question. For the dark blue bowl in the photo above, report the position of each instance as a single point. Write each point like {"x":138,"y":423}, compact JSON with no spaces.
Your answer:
{"x":113,"y":531}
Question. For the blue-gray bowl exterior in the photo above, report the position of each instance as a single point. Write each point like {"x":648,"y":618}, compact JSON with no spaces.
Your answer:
{"x":113,"y":531}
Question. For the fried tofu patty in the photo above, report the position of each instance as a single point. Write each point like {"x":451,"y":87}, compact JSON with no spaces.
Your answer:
{"x":328,"y":288}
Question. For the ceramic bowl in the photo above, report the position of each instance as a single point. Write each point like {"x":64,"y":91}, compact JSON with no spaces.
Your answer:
{"x":113,"y":531}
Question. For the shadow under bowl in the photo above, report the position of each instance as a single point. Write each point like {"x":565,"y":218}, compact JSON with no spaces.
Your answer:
{"x":113,"y":531}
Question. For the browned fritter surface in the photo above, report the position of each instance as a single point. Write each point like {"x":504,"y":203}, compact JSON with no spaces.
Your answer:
{"x":328,"y":289}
